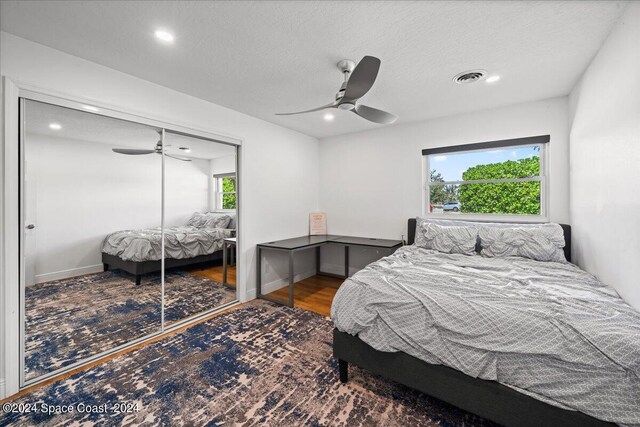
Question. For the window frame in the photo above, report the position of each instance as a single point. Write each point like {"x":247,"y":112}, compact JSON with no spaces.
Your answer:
{"x":543,"y":178}
{"x":218,"y":194}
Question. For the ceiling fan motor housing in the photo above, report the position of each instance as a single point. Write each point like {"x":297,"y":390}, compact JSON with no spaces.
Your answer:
{"x":346,"y":65}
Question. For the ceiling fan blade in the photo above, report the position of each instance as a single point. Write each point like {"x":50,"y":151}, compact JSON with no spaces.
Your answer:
{"x":132,"y":151}
{"x":361,"y":79}
{"x":184,"y":159}
{"x":308,"y":111}
{"x":375,"y":115}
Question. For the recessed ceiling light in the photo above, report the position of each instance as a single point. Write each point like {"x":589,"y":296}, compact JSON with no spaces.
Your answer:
{"x":492,"y":79}
{"x":55,"y":126}
{"x":329,"y":117}
{"x":186,"y":149}
{"x":165,"y":36}
{"x":91,"y":108}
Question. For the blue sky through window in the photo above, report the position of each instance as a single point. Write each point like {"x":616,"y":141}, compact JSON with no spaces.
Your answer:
{"x":451,"y":166}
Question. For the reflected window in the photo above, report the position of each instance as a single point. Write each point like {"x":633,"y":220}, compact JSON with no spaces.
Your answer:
{"x":225,"y":191}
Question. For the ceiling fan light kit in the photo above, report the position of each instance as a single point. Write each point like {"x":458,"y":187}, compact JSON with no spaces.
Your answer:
{"x":358,"y":80}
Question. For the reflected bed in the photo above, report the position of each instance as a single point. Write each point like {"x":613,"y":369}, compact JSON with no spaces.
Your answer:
{"x":138,"y":252}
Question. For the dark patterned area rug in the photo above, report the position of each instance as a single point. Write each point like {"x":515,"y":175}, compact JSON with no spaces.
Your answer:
{"x":71,"y":319}
{"x":260,"y":364}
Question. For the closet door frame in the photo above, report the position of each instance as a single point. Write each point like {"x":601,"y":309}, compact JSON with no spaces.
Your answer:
{"x":11,"y":259}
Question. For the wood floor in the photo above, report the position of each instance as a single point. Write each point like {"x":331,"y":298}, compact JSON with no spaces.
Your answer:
{"x":215,"y":274}
{"x":314,"y":294}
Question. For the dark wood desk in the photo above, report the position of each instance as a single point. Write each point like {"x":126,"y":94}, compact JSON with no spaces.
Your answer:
{"x":293,"y":245}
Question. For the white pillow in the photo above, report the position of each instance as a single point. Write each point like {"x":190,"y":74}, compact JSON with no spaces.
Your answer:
{"x":209,"y":220}
{"x":421,"y":221}
{"x":542,"y":243}
{"x":450,"y":240}
{"x":216,"y":220}
{"x":196,"y":220}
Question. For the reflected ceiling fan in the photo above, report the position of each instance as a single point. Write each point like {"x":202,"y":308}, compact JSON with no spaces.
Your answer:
{"x":358,"y":79}
{"x":157,"y":150}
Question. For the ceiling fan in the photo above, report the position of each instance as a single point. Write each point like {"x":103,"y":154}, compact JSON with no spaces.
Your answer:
{"x":157,"y":150}
{"x":358,"y":79}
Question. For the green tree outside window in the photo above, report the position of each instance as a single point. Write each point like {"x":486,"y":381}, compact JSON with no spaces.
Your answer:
{"x":520,"y":198}
{"x":228,"y":187}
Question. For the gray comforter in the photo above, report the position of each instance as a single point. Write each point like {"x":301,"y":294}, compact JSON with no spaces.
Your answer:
{"x":549,"y":330}
{"x":180,"y":243}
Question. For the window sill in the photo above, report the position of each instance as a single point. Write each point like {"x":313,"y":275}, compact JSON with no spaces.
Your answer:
{"x":489,"y":218}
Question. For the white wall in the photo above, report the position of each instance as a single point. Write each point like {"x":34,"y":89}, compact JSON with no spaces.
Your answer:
{"x":605,"y":161}
{"x":77,"y":192}
{"x":224,"y":164}
{"x":279,"y":176}
{"x":372,"y":181}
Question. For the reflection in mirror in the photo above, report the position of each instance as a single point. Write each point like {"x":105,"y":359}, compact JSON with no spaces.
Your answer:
{"x":200,"y":222}
{"x":84,"y":205}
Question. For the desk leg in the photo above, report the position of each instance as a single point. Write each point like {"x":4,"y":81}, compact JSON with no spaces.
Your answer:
{"x":346,"y":261}
{"x":224,"y":264}
{"x":317,"y":260}
{"x":290,"y":278}
{"x":259,"y":273}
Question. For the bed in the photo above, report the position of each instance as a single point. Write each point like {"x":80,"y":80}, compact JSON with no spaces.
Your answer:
{"x":517,"y":341}
{"x":199,"y":241}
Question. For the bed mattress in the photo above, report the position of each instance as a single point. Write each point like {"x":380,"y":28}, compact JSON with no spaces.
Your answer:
{"x":180,"y":243}
{"x":549,"y":330}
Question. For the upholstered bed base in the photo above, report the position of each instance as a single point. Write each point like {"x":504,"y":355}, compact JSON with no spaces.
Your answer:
{"x":488,"y":399}
{"x":112,"y":262}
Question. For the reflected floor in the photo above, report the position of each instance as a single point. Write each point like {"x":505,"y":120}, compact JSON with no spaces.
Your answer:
{"x":72,"y":319}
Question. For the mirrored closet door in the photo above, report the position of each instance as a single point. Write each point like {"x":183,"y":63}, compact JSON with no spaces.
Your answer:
{"x":81,"y":199}
{"x":126,"y":230}
{"x":200,"y":223}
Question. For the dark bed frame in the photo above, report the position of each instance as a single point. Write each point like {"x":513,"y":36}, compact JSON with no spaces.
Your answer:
{"x":488,"y":399}
{"x":112,"y":262}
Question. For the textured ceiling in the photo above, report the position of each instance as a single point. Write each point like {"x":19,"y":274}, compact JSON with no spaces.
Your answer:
{"x":265,"y":57}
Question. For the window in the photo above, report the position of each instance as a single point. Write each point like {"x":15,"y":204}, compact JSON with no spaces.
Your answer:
{"x":491,"y":178}
{"x":225,"y":191}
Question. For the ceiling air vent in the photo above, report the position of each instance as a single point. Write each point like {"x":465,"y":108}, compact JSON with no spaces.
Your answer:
{"x":469,"y":76}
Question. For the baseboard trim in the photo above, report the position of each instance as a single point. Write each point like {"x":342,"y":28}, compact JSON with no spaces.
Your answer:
{"x":64,"y":274}
{"x":252,"y":294}
{"x":282,"y":283}
{"x":249,"y":295}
